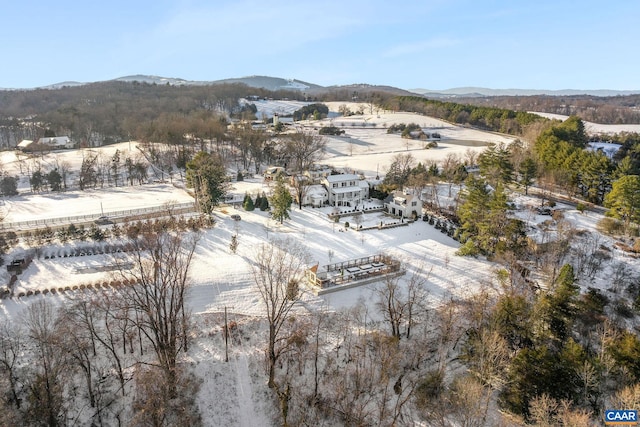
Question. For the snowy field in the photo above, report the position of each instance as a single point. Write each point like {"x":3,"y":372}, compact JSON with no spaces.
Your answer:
{"x":366,"y":147}
{"x":227,"y":280}
{"x":234,"y":394}
{"x":595,"y":128}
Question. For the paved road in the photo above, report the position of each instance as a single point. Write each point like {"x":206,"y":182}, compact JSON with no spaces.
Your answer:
{"x":561,"y":198}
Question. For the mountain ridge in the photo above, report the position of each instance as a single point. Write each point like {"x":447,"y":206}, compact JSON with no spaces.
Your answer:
{"x":475,"y":92}
{"x":278,"y":83}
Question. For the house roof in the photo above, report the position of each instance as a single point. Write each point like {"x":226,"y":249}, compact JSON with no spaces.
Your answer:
{"x":56,"y":140}
{"x":25,"y":143}
{"x":343,"y":177}
{"x":316,"y":190}
{"x":402,"y":196}
{"x":345,"y":190}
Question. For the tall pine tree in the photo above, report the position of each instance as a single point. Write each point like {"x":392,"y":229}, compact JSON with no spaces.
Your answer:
{"x":247,"y":204}
{"x":281,"y":201}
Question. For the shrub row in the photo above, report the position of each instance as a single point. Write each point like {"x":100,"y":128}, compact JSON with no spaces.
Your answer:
{"x":112,"y":284}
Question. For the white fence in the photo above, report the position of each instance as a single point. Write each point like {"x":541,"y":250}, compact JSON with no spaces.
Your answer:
{"x":38,"y":223}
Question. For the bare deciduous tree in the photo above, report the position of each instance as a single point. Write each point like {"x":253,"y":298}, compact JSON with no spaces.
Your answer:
{"x":46,"y":385}
{"x":400,"y":306}
{"x":277,"y":269}
{"x":154,"y":405}
{"x":160,"y":271}
{"x":304,"y":149}
{"x":11,"y":346}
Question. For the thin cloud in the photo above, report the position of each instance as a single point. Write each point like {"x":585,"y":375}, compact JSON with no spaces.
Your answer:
{"x":421,"y":46}
{"x":249,"y":23}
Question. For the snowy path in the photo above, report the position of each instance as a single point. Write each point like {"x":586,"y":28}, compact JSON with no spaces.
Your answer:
{"x":248,"y":416}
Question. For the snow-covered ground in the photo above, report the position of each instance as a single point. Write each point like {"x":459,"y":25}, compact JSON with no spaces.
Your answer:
{"x":27,"y":206}
{"x":234,"y":393}
{"x":221,"y":278}
{"x":595,"y":128}
{"x":366,"y":146}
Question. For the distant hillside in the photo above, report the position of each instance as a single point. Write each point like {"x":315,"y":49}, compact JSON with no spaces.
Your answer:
{"x":261,"y":82}
{"x":269,"y":83}
{"x":141,"y":78}
{"x":362,"y":89}
{"x":470,"y":92}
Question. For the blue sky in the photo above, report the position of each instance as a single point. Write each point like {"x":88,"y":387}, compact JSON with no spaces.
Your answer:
{"x":409,"y":44}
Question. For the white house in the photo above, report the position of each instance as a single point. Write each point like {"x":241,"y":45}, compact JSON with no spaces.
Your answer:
{"x":403,"y":204}
{"x":273,"y":172}
{"x":315,"y":196}
{"x":346,"y":189}
{"x":56,"y":142}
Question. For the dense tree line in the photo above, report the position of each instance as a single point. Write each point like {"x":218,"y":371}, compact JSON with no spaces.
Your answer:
{"x":596,"y":109}
{"x":98,"y":113}
{"x":564,"y":161}
{"x":551,"y":350}
{"x":312,"y":111}
{"x":489,"y":118}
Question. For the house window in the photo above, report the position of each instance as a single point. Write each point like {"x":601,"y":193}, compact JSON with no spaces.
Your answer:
{"x":414,"y":203}
{"x":335,"y":185}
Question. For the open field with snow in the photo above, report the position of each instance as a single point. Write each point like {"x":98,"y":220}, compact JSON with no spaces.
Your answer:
{"x":595,"y":128}
{"x":368,"y":148}
{"x":235,"y":393}
{"x":221,"y":278}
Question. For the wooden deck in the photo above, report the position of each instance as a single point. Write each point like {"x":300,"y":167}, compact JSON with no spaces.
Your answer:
{"x":348,"y":274}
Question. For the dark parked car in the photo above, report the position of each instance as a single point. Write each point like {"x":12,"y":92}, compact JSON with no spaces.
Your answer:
{"x":103,"y":220}
{"x":544,"y":211}
{"x":235,"y":217}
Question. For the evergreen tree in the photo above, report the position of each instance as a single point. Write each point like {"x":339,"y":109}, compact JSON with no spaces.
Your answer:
{"x":571,"y":130}
{"x":595,"y":175}
{"x":625,"y":167}
{"x":625,"y":350}
{"x":559,"y":306}
{"x":433,"y":170}
{"x":264,"y":203}
{"x":495,"y":165}
{"x":247,"y":204}
{"x":472,"y":212}
{"x":528,"y":170}
{"x":55,"y":180}
{"x":206,"y":174}
{"x":541,"y":370}
{"x":258,"y":202}
{"x":8,"y":185}
{"x":513,"y":319}
{"x":623,"y":200}
{"x":281,"y":201}
{"x":399,"y":170}
{"x":485,"y":228}
{"x":37,"y":181}
{"x":419,"y":169}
